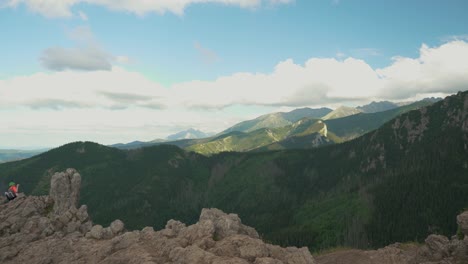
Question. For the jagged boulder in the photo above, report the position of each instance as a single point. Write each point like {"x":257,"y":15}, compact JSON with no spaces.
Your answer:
{"x":225,"y":224}
{"x":65,"y":190}
{"x":437,"y":246}
{"x":462,"y":221}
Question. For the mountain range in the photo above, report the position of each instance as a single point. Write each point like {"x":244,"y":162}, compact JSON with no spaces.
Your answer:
{"x":295,"y":129}
{"x":279,"y":119}
{"x":400,"y":182}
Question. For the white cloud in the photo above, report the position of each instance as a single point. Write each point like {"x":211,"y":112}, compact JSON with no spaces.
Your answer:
{"x":463,"y":37}
{"x":62,"y":8}
{"x":319,"y":81}
{"x":87,"y":56}
{"x":322,"y":81}
{"x":88,"y":103}
{"x":115,"y":89}
{"x":86,"y":59}
{"x":122,"y":59}
{"x":439,"y":69}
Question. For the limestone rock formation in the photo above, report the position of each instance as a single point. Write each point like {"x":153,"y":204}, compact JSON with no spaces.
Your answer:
{"x":50,"y":229}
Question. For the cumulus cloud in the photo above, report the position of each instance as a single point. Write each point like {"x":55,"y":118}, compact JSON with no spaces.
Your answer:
{"x":322,"y":81}
{"x":317,"y":82}
{"x":87,"y":56}
{"x":439,"y":69}
{"x":86,"y":59}
{"x":62,"y":8}
{"x":85,"y":101}
{"x":114,"y":89}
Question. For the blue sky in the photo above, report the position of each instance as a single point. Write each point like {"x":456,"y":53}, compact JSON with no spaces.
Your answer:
{"x":168,"y":52}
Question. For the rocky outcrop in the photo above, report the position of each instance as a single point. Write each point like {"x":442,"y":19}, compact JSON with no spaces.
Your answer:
{"x":436,"y":249}
{"x":65,"y":190}
{"x":462,"y":221}
{"x":50,"y":229}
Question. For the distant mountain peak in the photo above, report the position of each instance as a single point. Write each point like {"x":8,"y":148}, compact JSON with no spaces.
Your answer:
{"x":375,"y":107}
{"x":342,"y":111}
{"x":190,"y":133}
{"x":278,"y":119}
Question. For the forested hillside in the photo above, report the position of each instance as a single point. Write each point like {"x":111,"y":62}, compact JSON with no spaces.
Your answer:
{"x":399,"y":183}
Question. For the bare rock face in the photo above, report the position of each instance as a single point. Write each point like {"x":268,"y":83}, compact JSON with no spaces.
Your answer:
{"x":50,"y":229}
{"x":462,"y":221}
{"x":226,"y":225}
{"x":438,"y":247}
{"x":65,"y":190}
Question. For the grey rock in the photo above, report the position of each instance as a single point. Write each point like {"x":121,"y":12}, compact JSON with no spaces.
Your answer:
{"x":226,"y":225}
{"x":267,"y":261}
{"x":72,"y":227}
{"x":97,"y":232}
{"x":117,"y":227}
{"x":82,"y":213}
{"x":86,"y":227}
{"x":107,"y":233}
{"x":438,"y":246}
{"x":462,"y":221}
{"x":65,"y":190}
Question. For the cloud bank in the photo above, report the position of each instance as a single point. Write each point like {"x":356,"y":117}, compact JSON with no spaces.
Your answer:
{"x":62,"y":8}
{"x":91,"y":102}
{"x":319,"y":81}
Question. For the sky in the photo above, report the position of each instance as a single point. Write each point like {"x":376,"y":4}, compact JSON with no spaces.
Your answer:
{"x":118,"y":71}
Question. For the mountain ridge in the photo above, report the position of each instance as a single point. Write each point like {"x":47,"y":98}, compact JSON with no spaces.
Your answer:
{"x":372,"y":191}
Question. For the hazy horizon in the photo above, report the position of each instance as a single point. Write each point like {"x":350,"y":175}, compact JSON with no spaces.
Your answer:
{"x":116,"y":72}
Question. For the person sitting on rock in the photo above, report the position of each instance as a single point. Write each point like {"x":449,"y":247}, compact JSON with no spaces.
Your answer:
{"x":12,"y":191}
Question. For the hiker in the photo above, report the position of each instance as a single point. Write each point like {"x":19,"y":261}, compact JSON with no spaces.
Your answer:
{"x":12,"y":191}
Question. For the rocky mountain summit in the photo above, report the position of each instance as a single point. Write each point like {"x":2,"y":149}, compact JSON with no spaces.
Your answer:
{"x":51,"y":229}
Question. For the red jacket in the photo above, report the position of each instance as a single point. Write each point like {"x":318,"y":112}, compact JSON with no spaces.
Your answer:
{"x":13,"y":189}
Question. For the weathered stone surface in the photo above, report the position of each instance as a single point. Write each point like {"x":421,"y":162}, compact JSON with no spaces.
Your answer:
{"x":438,"y":246}
{"x":65,"y":190}
{"x":462,"y":221}
{"x":117,"y":227}
{"x":226,"y":225}
{"x":52,"y":230}
{"x":267,"y":261}
{"x":97,"y":232}
{"x":82,"y":213}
